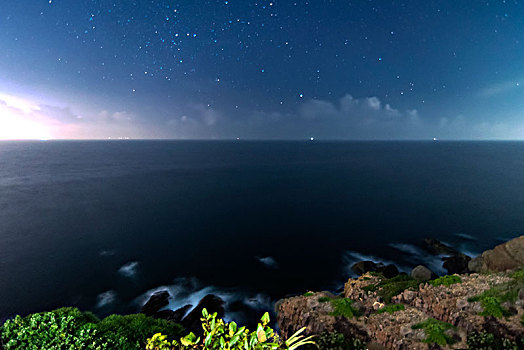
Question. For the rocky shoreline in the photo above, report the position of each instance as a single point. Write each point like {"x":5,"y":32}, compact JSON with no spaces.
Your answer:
{"x":386,"y":309}
{"x":482,"y":297}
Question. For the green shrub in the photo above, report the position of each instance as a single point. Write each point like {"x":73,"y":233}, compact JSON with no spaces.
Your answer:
{"x":69,"y":328}
{"x":308,"y":294}
{"x":446,"y":280}
{"x":323,"y":299}
{"x":436,"y":331}
{"x":387,"y":289}
{"x":221,"y":335}
{"x":369,"y":288}
{"x":344,"y":307}
{"x":137,"y":328}
{"x":492,"y":307}
{"x":65,"y":328}
{"x":390,"y":309}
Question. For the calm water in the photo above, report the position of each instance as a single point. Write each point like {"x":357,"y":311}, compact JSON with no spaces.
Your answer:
{"x":101,"y":225}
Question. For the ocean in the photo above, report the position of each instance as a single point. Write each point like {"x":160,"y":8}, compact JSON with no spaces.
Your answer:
{"x":102,"y":224}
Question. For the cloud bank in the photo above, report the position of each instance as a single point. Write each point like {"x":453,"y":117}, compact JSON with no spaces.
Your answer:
{"x":347,"y":118}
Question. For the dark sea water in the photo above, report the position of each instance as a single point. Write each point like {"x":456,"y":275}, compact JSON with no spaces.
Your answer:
{"x":101,"y":225}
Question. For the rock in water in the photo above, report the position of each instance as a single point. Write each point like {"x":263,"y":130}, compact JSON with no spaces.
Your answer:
{"x":457,"y":264}
{"x":362,"y":267}
{"x":506,"y":256}
{"x":389,"y":271}
{"x":173,"y":316}
{"x":436,"y":247}
{"x":212,"y":304}
{"x":155,"y":303}
{"x":422,"y":273}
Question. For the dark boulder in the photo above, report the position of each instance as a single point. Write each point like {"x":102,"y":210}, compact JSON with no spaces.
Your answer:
{"x":422,"y":273}
{"x":456,"y":264}
{"x":155,"y":303}
{"x":388,"y":271}
{"x":436,"y":247}
{"x":212,"y":304}
{"x":173,"y":316}
{"x":362,"y":267}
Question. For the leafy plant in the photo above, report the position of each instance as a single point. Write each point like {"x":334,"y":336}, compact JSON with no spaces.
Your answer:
{"x":69,"y":328}
{"x":323,"y":299}
{"x":493,"y":308}
{"x":436,"y":331}
{"x":369,"y":288}
{"x":446,"y":280}
{"x":344,"y":307}
{"x":390,"y":309}
{"x":65,"y":328}
{"x":308,"y":294}
{"x":221,"y":335}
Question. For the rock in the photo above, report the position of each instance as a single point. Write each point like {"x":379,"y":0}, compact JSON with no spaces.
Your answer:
{"x":457,"y":264}
{"x":155,"y":303}
{"x":521,"y":294}
{"x":422,"y":273}
{"x":506,"y":256}
{"x":173,"y":316}
{"x":297,"y":312}
{"x":210,"y":302}
{"x":389,"y":271}
{"x":436,"y":247}
{"x":362,"y":267}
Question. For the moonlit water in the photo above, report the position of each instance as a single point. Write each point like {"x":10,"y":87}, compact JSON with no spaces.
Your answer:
{"x":101,"y":225}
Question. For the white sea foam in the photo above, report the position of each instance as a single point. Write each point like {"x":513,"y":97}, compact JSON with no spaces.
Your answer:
{"x":268,"y":261}
{"x":466,"y":236}
{"x":129,"y":269}
{"x":418,"y":256}
{"x":189,"y":291}
{"x":109,"y":252}
{"x":106,"y":298}
{"x":352,"y":257}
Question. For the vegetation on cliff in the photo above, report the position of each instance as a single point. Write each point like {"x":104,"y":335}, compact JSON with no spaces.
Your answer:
{"x":221,"y":335}
{"x":69,"y":328}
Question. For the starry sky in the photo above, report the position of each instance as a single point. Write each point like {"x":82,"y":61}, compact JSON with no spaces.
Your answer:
{"x":329,"y":69}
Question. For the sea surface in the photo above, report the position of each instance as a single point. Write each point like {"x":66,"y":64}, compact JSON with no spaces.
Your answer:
{"x":103,"y":224}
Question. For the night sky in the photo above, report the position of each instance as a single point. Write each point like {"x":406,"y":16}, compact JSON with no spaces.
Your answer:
{"x":262,"y":69}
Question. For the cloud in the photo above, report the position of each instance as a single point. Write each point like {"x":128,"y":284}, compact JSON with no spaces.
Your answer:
{"x":499,"y":88}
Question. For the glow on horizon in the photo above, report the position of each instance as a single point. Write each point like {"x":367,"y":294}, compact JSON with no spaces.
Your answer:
{"x":16,"y":123}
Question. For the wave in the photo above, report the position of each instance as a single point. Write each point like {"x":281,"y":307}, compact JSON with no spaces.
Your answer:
{"x":105,"y":298}
{"x":268,"y":261}
{"x":108,"y":252}
{"x":352,"y":257}
{"x":418,"y":256}
{"x":240,"y":304}
{"x":129,"y":269}
{"x":466,"y":236}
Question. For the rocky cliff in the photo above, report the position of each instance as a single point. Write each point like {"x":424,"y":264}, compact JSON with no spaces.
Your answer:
{"x":402,"y":312}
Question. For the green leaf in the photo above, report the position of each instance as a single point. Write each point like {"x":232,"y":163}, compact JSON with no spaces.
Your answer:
{"x":204,"y":312}
{"x":265,"y":318}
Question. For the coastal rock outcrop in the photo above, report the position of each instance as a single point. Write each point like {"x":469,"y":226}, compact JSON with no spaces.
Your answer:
{"x":365,"y":266}
{"x":157,"y":301}
{"x":210,"y":302}
{"x":454,"y":261}
{"x":453,"y":300}
{"x":506,"y":256}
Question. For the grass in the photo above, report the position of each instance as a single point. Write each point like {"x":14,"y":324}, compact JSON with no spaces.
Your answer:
{"x":446,"y":280}
{"x":391,"y":309}
{"x":344,"y":307}
{"x":436,"y":331}
{"x":389,"y":288}
{"x":492,"y":298}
